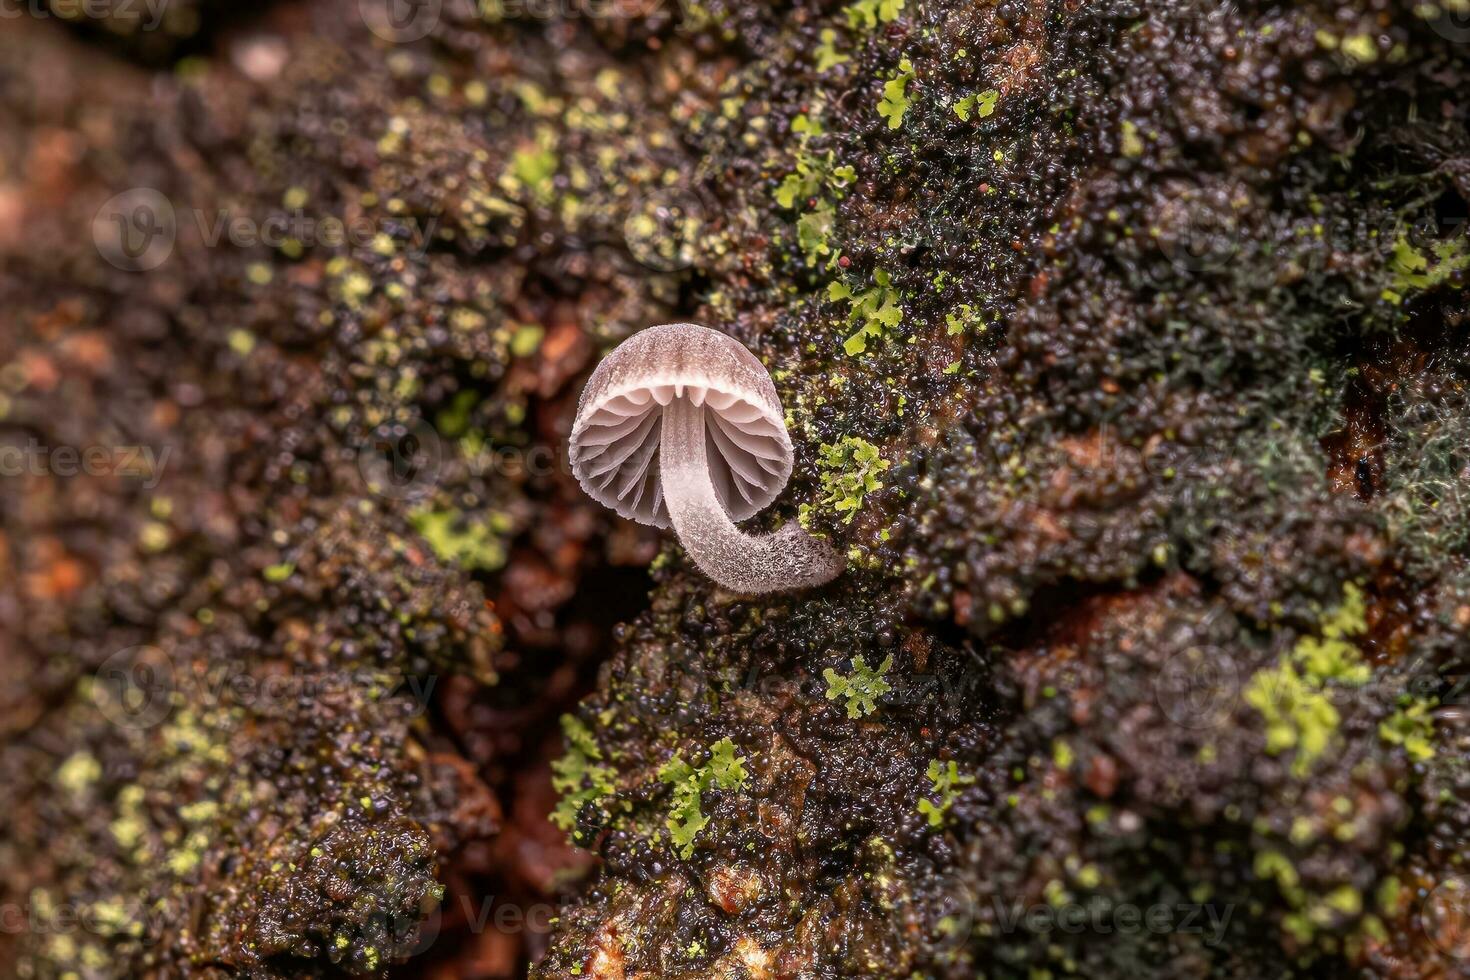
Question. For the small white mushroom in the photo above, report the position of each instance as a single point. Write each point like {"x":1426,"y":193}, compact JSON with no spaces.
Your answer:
{"x":680,"y":425}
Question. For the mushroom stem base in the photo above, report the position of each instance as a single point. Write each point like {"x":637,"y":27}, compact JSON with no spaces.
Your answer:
{"x":789,"y":558}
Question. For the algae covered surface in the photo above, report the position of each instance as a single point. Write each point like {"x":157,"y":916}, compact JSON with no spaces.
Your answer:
{"x":1125,"y":348}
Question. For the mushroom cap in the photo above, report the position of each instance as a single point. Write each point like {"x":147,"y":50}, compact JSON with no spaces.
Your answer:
{"x":615,"y":439}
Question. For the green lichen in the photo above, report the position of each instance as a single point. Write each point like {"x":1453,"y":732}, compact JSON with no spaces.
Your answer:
{"x":1361,"y":48}
{"x":1297,"y":714}
{"x":526,"y":340}
{"x":453,"y":421}
{"x":813,"y":230}
{"x":278,"y":572}
{"x":862,"y":688}
{"x":77,"y":774}
{"x":457,"y":539}
{"x":814,"y":186}
{"x":1132,"y":144}
{"x":895,"y":101}
{"x":532,"y":167}
{"x":1331,"y":657}
{"x":849,"y":472}
{"x":1294,"y":697}
{"x":864,"y":15}
{"x":981,"y":104}
{"x":875,"y":311}
{"x":578,"y":776}
{"x":1414,"y":270}
{"x":723,"y":770}
{"x":827,"y":54}
{"x":946,"y":783}
{"x":1413,"y":728}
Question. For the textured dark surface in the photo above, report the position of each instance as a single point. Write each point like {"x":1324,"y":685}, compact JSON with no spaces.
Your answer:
{"x":1124,"y":348}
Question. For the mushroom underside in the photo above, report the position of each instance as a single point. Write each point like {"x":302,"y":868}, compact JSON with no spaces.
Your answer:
{"x":788,"y":558}
{"x":618,"y":447}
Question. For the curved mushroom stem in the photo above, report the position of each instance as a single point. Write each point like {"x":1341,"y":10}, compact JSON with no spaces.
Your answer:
{"x":789,"y":558}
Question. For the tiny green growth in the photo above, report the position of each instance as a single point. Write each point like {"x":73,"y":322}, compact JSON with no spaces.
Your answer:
{"x":454,"y":538}
{"x":798,"y":186}
{"x":1062,"y":755}
{"x":960,"y":319}
{"x":1292,"y":697}
{"x":1361,"y":48}
{"x":576,"y":776}
{"x":864,"y":15}
{"x":526,"y":340}
{"x":876,"y":309}
{"x":1298,"y":715}
{"x":78,"y":773}
{"x":534,"y":167}
{"x":278,"y":572}
{"x":807,"y":125}
{"x":895,"y":101}
{"x":453,"y":421}
{"x":827,"y":54}
{"x":1412,"y":270}
{"x":982,"y":104}
{"x":242,"y":342}
{"x":849,"y":473}
{"x":1132,"y":143}
{"x":807,"y":186}
{"x":862,"y":688}
{"x":724,"y":770}
{"x":1413,"y":728}
{"x":946,"y":782}
{"x":812,"y":231}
